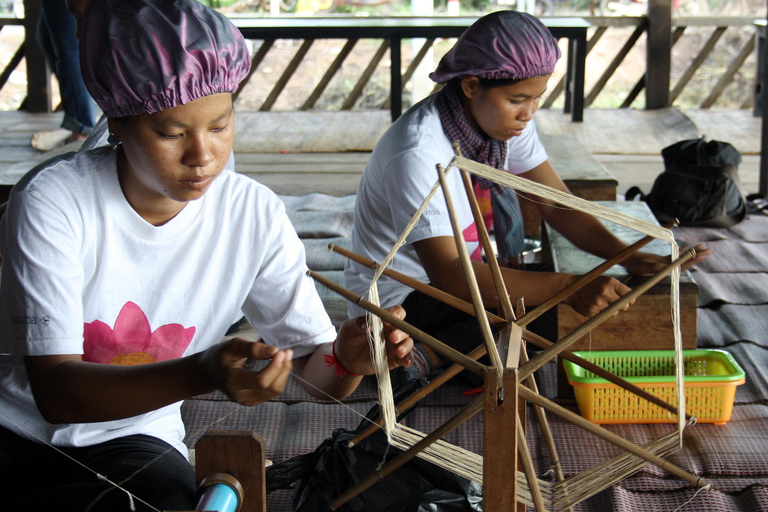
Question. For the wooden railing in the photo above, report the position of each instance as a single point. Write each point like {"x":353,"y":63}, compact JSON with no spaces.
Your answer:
{"x":391,"y":32}
{"x":39,"y":96}
{"x":739,"y":52}
{"x":730,"y":37}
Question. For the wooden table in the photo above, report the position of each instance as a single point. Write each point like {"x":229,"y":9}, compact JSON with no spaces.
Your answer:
{"x":397,"y":28}
{"x":647,"y":325}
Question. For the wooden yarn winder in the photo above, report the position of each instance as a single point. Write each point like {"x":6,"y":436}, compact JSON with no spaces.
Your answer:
{"x":509,"y":379}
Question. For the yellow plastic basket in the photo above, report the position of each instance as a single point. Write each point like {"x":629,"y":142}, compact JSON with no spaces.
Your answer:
{"x":711,"y":377}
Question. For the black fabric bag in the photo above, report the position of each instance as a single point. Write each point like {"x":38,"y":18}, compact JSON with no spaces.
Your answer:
{"x":334,"y":467}
{"x":700,"y":152}
{"x":418,"y":486}
{"x":699,"y":185}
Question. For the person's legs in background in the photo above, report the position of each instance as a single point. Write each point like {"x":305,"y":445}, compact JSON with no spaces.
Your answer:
{"x":56,"y":34}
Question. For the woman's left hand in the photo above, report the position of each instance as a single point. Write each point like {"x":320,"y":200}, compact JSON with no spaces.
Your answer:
{"x":647,"y":264}
{"x":352,"y":350}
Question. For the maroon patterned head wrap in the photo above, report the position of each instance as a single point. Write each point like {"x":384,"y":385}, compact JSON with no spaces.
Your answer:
{"x":142,"y":56}
{"x":500,"y":46}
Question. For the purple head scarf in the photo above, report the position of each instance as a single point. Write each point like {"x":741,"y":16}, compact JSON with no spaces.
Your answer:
{"x":142,"y":56}
{"x":500,"y":46}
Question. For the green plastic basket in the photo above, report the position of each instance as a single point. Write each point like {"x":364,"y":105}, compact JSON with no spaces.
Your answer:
{"x":711,"y":377}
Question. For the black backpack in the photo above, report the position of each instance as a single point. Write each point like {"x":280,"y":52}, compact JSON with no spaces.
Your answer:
{"x":699,"y":185}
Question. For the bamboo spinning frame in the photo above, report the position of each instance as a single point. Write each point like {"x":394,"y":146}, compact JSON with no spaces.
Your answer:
{"x":509,"y":379}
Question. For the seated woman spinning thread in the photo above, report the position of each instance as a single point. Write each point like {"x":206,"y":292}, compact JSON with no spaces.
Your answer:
{"x":494,"y":77}
{"x":124,"y":266}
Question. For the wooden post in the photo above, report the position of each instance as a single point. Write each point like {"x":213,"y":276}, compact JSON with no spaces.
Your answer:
{"x":239,"y":453}
{"x":500,"y":441}
{"x":763,"y":185}
{"x":659,"y":54}
{"x":395,"y":79}
{"x":38,"y":72}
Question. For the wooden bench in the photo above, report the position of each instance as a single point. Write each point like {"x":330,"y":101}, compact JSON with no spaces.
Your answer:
{"x":647,"y":325}
{"x":581,"y":172}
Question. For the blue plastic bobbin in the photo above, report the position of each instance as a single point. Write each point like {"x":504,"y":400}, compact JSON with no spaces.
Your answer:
{"x":220,"y":492}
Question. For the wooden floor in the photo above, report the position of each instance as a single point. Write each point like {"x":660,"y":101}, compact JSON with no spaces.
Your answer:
{"x":296,"y":153}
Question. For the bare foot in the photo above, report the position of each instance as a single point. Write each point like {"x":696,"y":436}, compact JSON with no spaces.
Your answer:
{"x":50,"y":139}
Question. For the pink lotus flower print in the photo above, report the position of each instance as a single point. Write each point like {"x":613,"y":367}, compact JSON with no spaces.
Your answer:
{"x":132,"y":341}
{"x":483,"y":197}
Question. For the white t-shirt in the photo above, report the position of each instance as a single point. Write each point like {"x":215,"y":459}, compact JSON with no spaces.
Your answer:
{"x":83,"y":273}
{"x":399,"y":175}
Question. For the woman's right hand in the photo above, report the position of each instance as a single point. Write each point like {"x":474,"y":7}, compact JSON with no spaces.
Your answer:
{"x":598,"y":295}
{"x":223,"y":364}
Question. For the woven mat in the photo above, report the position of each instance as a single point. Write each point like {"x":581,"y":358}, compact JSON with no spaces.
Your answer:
{"x":753,"y":359}
{"x":618,"y":498}
{"x":733,"y":298}
{"x":731,"y":288}
{"x":752,"y":229}
{"x":735,"y":256}
{"x":729,"y":323}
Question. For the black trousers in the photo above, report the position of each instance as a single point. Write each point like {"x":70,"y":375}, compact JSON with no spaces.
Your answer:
{"x":35,"y":477}
{"x":460,"y":330}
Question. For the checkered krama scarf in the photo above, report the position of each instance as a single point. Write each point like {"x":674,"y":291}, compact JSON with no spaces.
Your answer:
{"x":500,"y":46}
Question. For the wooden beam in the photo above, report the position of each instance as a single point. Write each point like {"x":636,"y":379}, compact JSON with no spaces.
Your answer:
{"x":640,"y":85}
{"x":727,"y":77}
{"x":659,"y":54}
{"x":499,"y":322}
{"x":410,"y":70}
{"x":615,"y":63}
{"x":500,"y":441}
{"x":266,"y":45}
{"x":560,"y":85}
{"x":417,"y":60}
{"x":366,"y":76}
{"x":697,"y":62}
{"x":38,"y":72}
{"x":287,"y":74}
{"x":15,"y":60}
{"x":329,"y":74}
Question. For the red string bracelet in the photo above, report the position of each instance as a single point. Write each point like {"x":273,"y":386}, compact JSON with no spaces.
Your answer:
{"x":332,"y":360}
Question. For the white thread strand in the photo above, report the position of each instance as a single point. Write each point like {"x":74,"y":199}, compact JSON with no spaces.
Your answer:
{"x":378,"y":352}
{"x":376,"y":343}
{"x":705,"y":488}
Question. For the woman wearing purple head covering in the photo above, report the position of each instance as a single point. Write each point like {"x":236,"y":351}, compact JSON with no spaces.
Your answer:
{"x":124,"y":266}
{"x":494,"y":77}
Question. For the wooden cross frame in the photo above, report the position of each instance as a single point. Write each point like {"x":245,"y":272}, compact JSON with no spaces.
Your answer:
{"x":509,"y":383}
{"x":233,"y":459}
